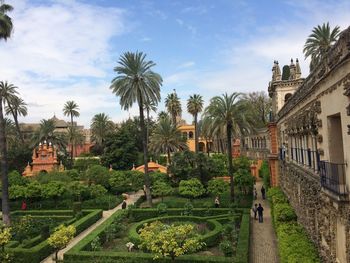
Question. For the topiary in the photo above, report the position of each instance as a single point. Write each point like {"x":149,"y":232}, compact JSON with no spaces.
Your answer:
{"x":188,"y":207}
{"x":226,"y":248}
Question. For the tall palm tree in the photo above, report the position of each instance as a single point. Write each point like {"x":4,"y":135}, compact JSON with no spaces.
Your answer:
{"x":16,"y":107}
{"x":71,"y":108}
{"x":167,"y":138}
{"x":11,"y":133}
{"x":173,"y":105}
{"x":136,"y":82}
{"x":6,"y":90}
{"x":6,"y":25}
{"x":319,"y":42}
{"x":101,"y":126}
{"x":162,"y":114}
{"x":227,"y":111}
{"x":195,"y":106}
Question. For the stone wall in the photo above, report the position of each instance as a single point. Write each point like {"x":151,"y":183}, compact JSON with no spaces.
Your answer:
{"x":319,"y":213}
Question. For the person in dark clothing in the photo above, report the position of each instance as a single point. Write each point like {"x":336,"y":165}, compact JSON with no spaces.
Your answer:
{"x":260,"y":213}
{"x":124,"y":205}
{"x":263,"y":192}
{"x":255,"y":210}
{"x":255,"y":194}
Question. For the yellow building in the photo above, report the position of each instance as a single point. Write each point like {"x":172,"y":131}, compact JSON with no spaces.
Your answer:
{"x":188,"y":132}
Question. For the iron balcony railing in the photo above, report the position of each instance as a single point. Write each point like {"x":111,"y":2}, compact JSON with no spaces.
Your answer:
{"x":332,"y":177}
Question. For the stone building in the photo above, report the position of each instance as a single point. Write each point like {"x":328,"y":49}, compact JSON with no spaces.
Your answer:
{"x":310,"y":148}
{"x":188,"y":132}
{"x":44,"y":160}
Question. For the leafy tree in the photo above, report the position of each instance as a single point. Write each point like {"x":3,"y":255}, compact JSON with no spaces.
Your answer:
{"x":18,"y":156}
{"x":159,"y":177}
{"x":167,"y":138}
{"x":136,"y":82}
{"x":33,"y":191}
{"x":82,"y":164}
{"x":259,"y":106}
{"x":24,"y":228}
{"x":15,"y":178}
{"x":121,"y":149}
{"x":45,"y":178}
{"x":101,"y":126}
{"x":77,"y":190}
{"x":228,"y":112}
{"x":191,"y":188}
{"x":97,"y":190}
{"x":244,"y":181}
{"x":319,"y":42}
{"x":61,"y":237}
{"x":217,"y":187}
{"x":161,"y":189}
{"x":5,"y":237}
{"x":53,"y":190}
{"x":195,"y":106}
{"x":242,"y":162}
{"x":119,"y":182}
{"x":220,"y":164}
{"x":6,"y":91}
{"x":173,"y":105}
{"x":173,"y":241}
{"x":97,"y":174}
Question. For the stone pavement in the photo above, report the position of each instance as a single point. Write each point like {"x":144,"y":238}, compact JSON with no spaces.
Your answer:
{"x":263,"y":244}
{"x":106,"y":214}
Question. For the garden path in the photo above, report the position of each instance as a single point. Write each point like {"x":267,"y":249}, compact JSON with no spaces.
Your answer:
{"x":263,"y":243}
{"x":106,"y":214}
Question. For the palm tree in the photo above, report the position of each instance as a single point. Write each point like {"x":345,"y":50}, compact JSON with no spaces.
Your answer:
{"x":46,"y":132}
{"x":71,"y":109}
{"x":16,"y":107}
{"x":195,"y":106}
{"x":319,"y":42}
{"x":227,"y":111}
{"x":162,"y":114}
{"x":11,"y":132}
{"x":6,"y":25}
{"x":6,"y":90}
{"x":136,"y":82}
{"x":173,"y":105}
{"x":167,"y":138}
{"x":101,"y":126}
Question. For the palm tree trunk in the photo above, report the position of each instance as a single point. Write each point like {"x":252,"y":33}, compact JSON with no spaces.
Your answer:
{"x":169,"y":157}
{"x":72,"y":147}
{"x":196,"y":133}
{"x":207,"y":145}
{"x":147,"y":131}
{"x":229,"y":158}
{"x":15,"y":118}
{"x":145,"y":153}
{"x":4,"y":169}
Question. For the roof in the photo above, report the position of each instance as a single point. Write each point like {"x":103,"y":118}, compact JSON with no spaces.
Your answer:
{"x":152,"y":166}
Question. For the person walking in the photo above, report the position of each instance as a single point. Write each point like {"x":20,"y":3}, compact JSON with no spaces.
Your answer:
{"x":263,"y":192}
{"x":255,"y":210}
{"x":124,"y":205}
{"x":217,"y":202}
{"x":260,"y":210}
{"x":255,"y":194}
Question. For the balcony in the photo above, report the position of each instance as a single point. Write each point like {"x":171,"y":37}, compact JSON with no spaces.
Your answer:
{"x":333,"y":178}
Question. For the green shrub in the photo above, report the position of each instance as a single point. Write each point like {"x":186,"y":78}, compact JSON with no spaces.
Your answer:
{"x":191,"y":188}
{"x":226,"y":248}
{"x":188,"y":207}
{"x":162,"y":209}
{"x":283,"y":213}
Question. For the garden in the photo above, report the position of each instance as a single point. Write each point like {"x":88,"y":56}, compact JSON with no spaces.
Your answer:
{"x":27,"y":239}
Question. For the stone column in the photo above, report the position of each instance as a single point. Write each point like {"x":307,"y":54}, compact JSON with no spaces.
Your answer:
{"x":273,"y":156}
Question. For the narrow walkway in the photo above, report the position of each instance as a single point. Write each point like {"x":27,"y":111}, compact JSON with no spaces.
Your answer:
{"x":106,"y":214}
{"x":263,"y":244}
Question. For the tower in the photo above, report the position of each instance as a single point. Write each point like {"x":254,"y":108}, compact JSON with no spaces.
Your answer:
{"x":282,"y":88}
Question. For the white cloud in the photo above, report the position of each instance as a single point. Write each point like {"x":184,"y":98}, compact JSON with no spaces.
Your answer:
{"x":187,"y":64}
{"x":59,"y":51}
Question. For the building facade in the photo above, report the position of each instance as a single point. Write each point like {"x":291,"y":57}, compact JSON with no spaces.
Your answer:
{"x":310,"y":149}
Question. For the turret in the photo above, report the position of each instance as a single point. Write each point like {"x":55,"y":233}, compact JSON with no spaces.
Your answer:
{"x":292,"y":70}
{"x":297,"y":69}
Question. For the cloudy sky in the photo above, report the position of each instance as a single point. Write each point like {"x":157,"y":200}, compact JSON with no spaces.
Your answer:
{"x":66,"y":49}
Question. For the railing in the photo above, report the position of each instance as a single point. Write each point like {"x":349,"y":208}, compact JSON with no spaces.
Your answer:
{"x":332,"y":177}
{"x":304,"y":157}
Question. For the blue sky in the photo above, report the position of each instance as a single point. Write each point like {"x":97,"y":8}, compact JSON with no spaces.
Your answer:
{"x":66,"y":49}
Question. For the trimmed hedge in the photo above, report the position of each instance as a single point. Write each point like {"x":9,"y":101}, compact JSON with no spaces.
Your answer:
{"x":145,"y":213}
{"x":293,"y":242}
{"x":210,"y":239}
{"x":78,"y":253}
{"x":40,"y":251}
{"x":242,"y":250}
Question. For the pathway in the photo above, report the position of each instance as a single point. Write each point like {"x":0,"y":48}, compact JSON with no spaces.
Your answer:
{"x":263,"y":244}
{"x":106,"y":214}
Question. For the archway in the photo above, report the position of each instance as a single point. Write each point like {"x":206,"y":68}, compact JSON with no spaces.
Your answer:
{"x":201,"y":147}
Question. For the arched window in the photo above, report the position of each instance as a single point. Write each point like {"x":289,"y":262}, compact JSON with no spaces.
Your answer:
{"x":287,"y":96}
{"x":190,"y":135}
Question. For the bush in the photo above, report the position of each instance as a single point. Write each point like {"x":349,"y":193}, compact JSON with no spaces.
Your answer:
{"x":162,"y":209}
{"x":82,"y":164}
{"x":283,"y":213}
{"x":217,"y":186}
{"x":226,"y":248}
{"x":191,"y":188}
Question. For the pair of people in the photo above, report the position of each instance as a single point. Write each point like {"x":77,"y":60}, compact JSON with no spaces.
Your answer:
{"x":258,"y":210}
